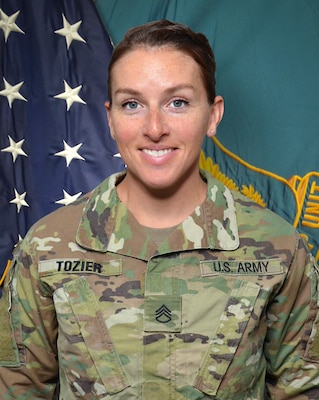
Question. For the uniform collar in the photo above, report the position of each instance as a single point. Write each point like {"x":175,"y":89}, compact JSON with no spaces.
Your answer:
{"x":107,"y":225}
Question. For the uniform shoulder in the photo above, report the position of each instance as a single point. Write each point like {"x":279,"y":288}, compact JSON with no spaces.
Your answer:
{"x":72,"y":212}
{"x":251,"y":214}
{"x":66,"y":219}
{"x":65,"y":214}
{"x":250,"y":211}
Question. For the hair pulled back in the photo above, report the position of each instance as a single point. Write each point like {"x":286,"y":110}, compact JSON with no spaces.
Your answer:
{"x":175,"y":35}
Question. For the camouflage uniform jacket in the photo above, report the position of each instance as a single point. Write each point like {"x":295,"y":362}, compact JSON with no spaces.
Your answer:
{"x":223,"y":308}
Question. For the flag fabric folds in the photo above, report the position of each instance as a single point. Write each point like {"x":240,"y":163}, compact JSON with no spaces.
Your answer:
{"x":54,"y":140}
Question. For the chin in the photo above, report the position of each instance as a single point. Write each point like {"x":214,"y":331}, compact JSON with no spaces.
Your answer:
{"x":162,"y":189}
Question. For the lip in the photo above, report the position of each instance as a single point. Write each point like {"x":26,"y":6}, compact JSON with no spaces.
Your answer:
{"x":157,"y":152}
{"x":157,"y":156}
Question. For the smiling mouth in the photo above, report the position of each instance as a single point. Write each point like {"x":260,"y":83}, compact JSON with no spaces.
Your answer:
{"x":157,"y":153}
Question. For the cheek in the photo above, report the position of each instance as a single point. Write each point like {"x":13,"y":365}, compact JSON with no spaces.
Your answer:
{"x":194,"y":132}
{"x":125,"y":127}
{"x":125,"y":136}
{"x":120,"y":131}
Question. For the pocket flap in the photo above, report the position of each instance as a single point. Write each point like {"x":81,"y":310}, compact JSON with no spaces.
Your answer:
{"x":92,"y":326}
{"x":228,"y":335}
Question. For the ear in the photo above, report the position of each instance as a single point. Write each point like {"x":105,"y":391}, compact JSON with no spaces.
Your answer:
{"x":107,"y":106}
{"x":217,"y":112}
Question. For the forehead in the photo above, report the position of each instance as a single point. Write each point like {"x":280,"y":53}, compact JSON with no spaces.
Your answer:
{"x":142,"y":62}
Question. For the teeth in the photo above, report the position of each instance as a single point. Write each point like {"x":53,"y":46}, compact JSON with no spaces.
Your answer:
{"x":157,"y":153}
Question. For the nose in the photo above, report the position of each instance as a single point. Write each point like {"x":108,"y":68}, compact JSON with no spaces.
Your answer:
{"x":155,"y":126}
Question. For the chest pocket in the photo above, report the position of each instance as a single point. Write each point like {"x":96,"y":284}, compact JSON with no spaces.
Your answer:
{"x":90,"y":362}
{"x":219,"y":358}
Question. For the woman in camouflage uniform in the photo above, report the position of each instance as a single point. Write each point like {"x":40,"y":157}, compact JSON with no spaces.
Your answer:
{"x":161,"y":284}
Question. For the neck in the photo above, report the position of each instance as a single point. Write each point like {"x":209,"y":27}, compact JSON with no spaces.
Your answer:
{"x":158,"y":208}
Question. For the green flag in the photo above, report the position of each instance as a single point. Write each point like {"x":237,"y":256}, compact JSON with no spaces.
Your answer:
{"x":267,"y":55}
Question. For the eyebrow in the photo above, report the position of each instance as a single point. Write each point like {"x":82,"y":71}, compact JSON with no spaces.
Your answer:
{"x":169,"y":90}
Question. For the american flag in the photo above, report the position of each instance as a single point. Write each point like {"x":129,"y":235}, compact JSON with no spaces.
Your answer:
{"x":54,"y":140}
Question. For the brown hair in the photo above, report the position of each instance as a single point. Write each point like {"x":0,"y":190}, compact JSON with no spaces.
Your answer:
{"x":167,"y":33}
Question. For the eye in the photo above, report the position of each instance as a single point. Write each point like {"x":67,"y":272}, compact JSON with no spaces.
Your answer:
{"x":130,"y":105}
{"x":179,"y":103}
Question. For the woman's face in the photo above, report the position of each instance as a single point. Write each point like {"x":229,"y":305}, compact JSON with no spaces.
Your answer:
{"x":159,"y":116}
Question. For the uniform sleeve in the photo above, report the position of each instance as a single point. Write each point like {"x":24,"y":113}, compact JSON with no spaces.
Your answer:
{"x":292,"y":343}
{"x":28,"y":356}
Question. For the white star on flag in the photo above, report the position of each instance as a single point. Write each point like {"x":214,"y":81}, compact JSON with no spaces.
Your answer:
{"x":70,"y":95}
{"x":70,"y":32}
{"x":68,"y":198}
{"x":19,"y":200}
{"x":12,"y":92}
{"x":15,"y":148}
{"x":70,"y":153}
{"x":8,"y":25}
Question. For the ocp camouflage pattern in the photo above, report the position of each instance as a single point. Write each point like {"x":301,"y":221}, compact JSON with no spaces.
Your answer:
{"x":225,"y":307}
